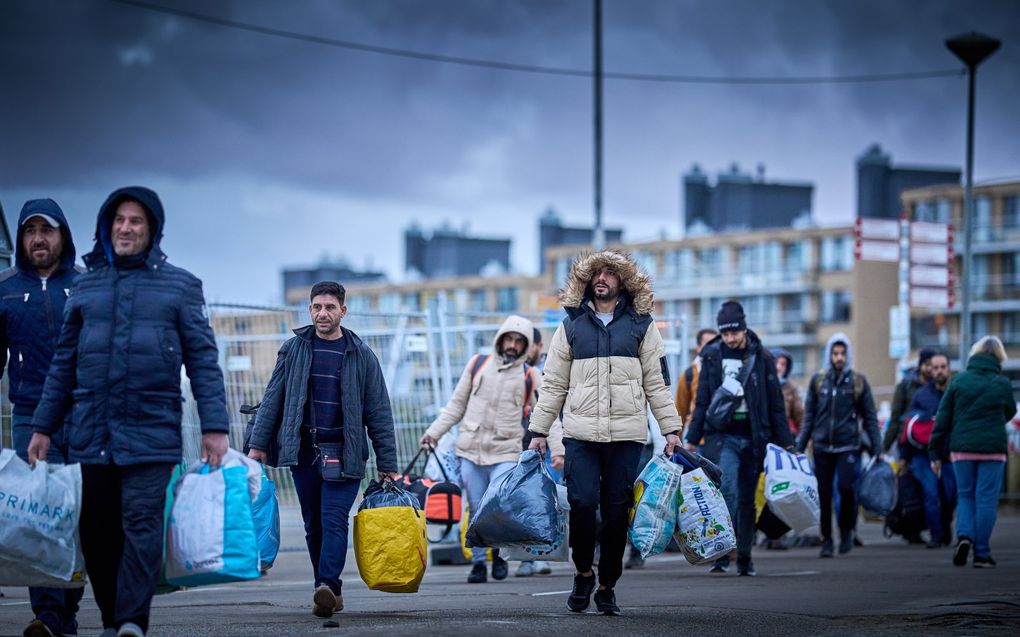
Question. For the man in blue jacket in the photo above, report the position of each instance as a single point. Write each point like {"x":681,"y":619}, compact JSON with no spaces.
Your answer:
{"x":32,"y":298}
{"x":326,"y":397}
{"x":130,"y":323}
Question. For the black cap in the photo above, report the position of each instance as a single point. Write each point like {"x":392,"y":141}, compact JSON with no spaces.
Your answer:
{"x":536,"y":336}
{"x":925,"y":355}
{"x":731,"y":317}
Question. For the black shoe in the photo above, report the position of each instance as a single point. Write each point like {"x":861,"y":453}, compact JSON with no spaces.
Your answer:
{"x":38,"y":629}
{"x":776,"y":545}
{"x":984,"y":562}
{"x":745,"y":568}
{"x":826,"y":548}
{"x":477,"y":575}
{"x":914,"y":538}
{"x":500,"y":569}
{"x":962,"y":552}
{"x":721,"y":565}
{"x":605,"y":602}
{"x":580,"y":597}
{"x":846,"y":542}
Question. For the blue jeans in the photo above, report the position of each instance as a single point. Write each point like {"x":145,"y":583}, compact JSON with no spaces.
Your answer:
{"x":55,"y":607}
{"x":475,"y":479}
{"x":979,"y":482}
{"x":939,"y":493}
{"x":326,"y":511}
{"x":739,"y":483}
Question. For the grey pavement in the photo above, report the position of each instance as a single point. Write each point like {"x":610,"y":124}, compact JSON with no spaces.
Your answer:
{"x":883,"y":588}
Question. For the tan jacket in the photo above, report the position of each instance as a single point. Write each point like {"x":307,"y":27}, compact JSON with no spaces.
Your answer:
{"x":605,"y":381}
{"x":687,"y":395}
{"x":490,"y":406}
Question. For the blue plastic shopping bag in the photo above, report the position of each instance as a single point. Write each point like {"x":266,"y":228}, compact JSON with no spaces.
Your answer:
{"x":266,"y":513}
{"x":210,"y":537}
{"x":653,"y":516}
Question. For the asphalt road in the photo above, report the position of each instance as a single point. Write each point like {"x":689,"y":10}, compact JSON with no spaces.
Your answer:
{"x":883,"y":588}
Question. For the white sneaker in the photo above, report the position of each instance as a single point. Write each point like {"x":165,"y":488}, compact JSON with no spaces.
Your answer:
{"x":542,"y":568}
{"x":526,"y":569}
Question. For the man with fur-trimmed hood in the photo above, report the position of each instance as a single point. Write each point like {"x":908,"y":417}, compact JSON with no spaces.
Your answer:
{"x":606,"y":364}
{"x":489,"y":401}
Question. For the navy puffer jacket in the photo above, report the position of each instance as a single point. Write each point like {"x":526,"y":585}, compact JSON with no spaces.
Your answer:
{"x":32,"y":311}
{"x":130,"y":324}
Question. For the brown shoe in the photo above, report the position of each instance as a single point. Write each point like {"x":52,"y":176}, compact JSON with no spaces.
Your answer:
{"x":325,"y":602}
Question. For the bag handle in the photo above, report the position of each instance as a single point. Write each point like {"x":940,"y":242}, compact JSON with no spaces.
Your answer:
{"x":414,"y":461}
{"x":442,"y":469}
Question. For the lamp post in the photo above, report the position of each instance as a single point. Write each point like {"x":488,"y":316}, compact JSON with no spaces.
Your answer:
{"x":598,"y":236}
{"x":972,"y":49}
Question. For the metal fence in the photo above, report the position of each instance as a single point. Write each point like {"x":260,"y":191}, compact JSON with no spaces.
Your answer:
{"x":422,"y":355}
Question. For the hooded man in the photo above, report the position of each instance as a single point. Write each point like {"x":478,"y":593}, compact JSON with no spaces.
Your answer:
{"x":736,"y":357}
{"x":606,"y":366}
{"x":131,"y":321}
{"x":491,"y":398}
{"x":32,"y":298}
{"x":839,"y":405}
{"x":791,"y":396}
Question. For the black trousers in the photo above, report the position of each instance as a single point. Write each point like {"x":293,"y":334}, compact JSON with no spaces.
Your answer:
{"x":600,"y":477}
{"x":828,"y":466}
{"x":122,"y":537}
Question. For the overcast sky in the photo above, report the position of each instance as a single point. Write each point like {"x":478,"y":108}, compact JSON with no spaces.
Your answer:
{"x":269,"y":152}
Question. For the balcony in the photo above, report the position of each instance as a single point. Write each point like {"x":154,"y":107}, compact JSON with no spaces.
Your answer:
{"x":693,"y":284}
{"x":999,"y":233}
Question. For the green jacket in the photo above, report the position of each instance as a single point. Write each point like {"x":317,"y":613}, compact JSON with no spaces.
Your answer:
{"x":974,"y":410}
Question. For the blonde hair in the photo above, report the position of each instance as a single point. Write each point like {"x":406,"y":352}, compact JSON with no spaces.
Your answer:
{"x":990,"y":345}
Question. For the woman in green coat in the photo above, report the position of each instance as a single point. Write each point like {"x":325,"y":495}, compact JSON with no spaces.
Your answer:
{"x":971,"y":420}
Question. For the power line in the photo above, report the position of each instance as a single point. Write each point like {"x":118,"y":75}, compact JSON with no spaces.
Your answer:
{"x":529,"y":68}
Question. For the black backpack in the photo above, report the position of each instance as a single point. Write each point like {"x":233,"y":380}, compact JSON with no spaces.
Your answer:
{"x":907,"y":517}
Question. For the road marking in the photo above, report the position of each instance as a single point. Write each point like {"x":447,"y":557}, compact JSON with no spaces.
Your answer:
{"x":793,"y":574}
{"x":13,"y":603}
{"x":549,"y":593}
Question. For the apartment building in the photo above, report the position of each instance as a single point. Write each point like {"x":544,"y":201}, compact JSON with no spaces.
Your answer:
{"x":995,"y":280}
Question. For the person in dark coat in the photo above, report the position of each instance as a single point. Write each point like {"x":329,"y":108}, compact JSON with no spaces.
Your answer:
{"x":915,"y":379}
{"x":327,"y":392}
{"x":759,"y":419}
{"x":839,"y":406}
{"x":971,"y":423}
{"x":131,"y":321}
{"x":939,"y":490}
{"x":32,"y":298}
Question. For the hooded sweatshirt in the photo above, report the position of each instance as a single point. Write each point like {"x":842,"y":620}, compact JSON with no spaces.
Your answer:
{"x":791,"y":395}
{"x":32,"y":310}
{"x":489,"y":403}
{"x":835,"y":412}
{"x":604,"y":377}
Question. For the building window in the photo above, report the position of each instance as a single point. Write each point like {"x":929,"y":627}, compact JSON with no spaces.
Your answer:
{"x":835,"y":306}
{"x":506,"y":300}
{"x":1011,"y":213}
{"x":647,"y":262}
{"x":937,"y":211}
{"x":982,"y":219}
{"x":478,"y":301}
{"x":562,"y":269}
{"x":837,"y":254}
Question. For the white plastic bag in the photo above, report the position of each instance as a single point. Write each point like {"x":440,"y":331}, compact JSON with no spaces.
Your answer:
{"x":704,"y":530}
{"x":446,"y":453}
{"x":210,"y":536}
{"x":653,"y":518}
{"x":791,"y":488}
{"x":558,"y":552}
{"x":39,"y":512}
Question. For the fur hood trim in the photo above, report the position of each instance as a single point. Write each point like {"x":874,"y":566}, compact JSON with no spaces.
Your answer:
{"x":633,"y":280}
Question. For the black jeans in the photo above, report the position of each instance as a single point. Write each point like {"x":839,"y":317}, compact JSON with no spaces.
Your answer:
{"x":828,"y":466}
{"x":122,"y":537}
{"x":600,"y":475}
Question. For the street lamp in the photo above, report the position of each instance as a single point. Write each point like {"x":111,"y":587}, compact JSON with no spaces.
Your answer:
{"x":972,"y":49}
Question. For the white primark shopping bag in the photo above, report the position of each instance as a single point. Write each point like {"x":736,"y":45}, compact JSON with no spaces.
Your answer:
{"x":704,"y":530}
{"x":791,"y":488}
{"x":39,"y":511}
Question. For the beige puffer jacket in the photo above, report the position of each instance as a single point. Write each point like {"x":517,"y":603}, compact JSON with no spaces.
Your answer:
{"x":490,"y":406}
{"x":604,"y":376}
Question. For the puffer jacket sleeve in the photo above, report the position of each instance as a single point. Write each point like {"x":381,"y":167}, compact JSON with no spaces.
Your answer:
{"x":455,"y":409}
{"x":201,"y":360}
{"x":377,"y":414}
{"x":267,"y":418}
{"x":870,"y":416}
{"x":655,"y":379}
{"x":56,"y":395}
{"x":555,"y":382}
{"x":943,"y":422}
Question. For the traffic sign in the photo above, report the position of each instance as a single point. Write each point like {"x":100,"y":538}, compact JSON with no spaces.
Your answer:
{"x":871,"y":250}
{"x":929,"y":276}
{"x":931,"y":232}
{"x":934,"y":298}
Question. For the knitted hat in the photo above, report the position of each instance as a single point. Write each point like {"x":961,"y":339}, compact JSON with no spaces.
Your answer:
{"x":731,"y":317}
{"x":925,"y":355}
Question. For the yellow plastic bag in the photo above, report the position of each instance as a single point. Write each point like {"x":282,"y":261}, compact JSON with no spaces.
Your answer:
{"x":759,"y":497}
{"x":391,"y":547}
